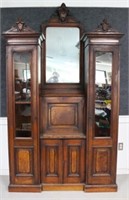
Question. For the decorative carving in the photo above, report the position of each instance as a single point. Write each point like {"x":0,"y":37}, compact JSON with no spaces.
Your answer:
{"x":20,"y":26}
{"x":63,"y":12}
{"x":105,"y":27}
{"x":61,"y":18}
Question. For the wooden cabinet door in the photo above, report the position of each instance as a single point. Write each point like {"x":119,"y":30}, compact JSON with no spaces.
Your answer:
{"x":63,"y":161}
{"x":74,"y":161}
{"x":51,"y":161}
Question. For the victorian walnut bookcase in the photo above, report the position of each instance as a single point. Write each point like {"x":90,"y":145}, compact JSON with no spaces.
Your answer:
{"x":63,"y":105}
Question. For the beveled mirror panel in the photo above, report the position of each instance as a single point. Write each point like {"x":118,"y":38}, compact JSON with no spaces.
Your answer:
{"x":103,"y":86}
{"x":62,"y":55}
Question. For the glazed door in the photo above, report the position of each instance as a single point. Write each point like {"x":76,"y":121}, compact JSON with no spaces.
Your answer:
{"x":23,"y":126}
{"x":102,"y":66}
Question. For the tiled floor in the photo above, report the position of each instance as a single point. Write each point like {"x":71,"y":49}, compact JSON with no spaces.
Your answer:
{"x":122,"y":194}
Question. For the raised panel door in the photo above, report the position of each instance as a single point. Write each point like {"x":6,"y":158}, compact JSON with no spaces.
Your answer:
{"x":74,"y":161}
{"x":51,"y":161}
{"x":62,"y":117}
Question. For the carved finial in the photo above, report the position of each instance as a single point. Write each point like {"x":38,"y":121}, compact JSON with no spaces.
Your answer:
{"x":63,"y":12}
{"x":20,"y":25}
{"x":104,"y":26}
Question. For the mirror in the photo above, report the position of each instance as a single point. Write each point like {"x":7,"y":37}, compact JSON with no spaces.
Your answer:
{"x":62,"y":55}
{"x":103,"y":81}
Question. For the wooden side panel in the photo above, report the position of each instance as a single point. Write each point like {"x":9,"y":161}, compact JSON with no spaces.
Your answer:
{"x":24,"y":161}
{"x":24,"y":166}
{"x":101,"y":161}
{"x":51,"y":161}
{"x":100,"y":170}
{"x":74,"y":161}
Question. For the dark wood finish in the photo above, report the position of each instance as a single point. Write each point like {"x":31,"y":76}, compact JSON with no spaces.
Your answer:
{"x":101,"y":151}
{"x":62,"y":117}
{"x":62,"y":161}
{"x":24,"y":156}
{"x":54,"y":142}
{"x":74,"y":161}
{"x":51,"y":161}
{"x":62,"y":187}
{"x":62,"y":18}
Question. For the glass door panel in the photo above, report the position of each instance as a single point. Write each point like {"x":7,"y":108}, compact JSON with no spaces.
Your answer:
{"x":103,"y":82}
{"x":22,"y":84}
{"x":23,"y":120}
{"x":22,"y":74}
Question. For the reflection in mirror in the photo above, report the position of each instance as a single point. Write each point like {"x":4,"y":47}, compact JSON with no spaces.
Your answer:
{"x":103,"y":83}
{"x":62,"y":55}
{"x":22,"y":62}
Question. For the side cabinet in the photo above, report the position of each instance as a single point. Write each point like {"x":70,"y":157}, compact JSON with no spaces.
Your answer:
{"x":102,"y":88}
{"x":22,"y":54}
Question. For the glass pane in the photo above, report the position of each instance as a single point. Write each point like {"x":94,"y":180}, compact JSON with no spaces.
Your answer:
{"x":22,"y":76}
{"x":103,"y":81}
{"x":22,"y":82}
{"x":62,"y":55}
{"x":23,"y":120}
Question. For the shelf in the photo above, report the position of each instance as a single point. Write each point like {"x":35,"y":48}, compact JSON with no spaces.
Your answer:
{"x":22,"y":102}
{"x":28,"y":130}
{"x":62,"y":136}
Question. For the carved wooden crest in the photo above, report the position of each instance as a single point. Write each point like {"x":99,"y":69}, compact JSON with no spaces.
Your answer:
{"x":63,"y":12}
{"x":62,"y":17}
{"x":105,"y":27}
{"x":20,"y":26}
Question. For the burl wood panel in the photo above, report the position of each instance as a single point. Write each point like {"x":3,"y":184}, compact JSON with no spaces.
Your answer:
{"x":51,"y":161}
{"x":74,"y":161}
{"x":102,"y":161}
{"x":24,"y":163}
{"x":62,"y":115}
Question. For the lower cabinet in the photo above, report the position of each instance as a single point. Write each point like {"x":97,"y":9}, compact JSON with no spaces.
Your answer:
{"x":62,"y":161}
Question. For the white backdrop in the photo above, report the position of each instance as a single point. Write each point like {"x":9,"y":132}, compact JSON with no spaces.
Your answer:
{"x":71,"y":3}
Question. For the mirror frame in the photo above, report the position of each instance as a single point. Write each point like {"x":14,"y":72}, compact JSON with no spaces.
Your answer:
{"x":62,"y":18}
